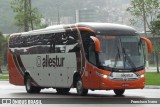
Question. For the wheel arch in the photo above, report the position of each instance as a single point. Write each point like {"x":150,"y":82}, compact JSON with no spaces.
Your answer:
{"x":26,"y":74}
{"x":76,"y":76}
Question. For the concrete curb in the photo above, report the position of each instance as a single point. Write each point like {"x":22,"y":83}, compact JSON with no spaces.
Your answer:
{"x":152,"y":87}
{"x":4,"y":75}
{"x":4,"y":79}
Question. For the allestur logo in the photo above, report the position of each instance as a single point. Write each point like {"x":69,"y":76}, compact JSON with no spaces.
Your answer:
{"x":38,"y":61}
{"x":50,"y":62}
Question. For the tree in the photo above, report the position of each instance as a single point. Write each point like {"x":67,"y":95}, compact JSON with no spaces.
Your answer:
{"x":3,"y":50}
{"x":156,"y":31}
{"x":156,"y":26}
{"x":26,"y":17}
{"x":146,"y":11}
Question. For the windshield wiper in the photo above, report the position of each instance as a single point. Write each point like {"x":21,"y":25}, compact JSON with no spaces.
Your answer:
{"x":139,"y":47}
{"x":128,"y":58}
{"x":117,"y":57}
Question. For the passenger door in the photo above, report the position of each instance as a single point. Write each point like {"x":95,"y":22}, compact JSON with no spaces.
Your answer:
{"x":92,"y":67}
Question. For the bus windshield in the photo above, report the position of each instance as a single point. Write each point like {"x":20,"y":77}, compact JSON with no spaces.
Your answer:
{"x":121,"y":52}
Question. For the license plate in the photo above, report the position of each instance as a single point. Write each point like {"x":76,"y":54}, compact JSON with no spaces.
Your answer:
{"x":126,"y":75}
{"x":123,"y":75}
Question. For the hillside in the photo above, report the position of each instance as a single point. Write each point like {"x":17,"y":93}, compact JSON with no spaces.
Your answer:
{"x":108,"y":11}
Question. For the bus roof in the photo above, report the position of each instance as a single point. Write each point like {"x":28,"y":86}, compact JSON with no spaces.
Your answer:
{"x":109,"y":29}
{"x":99,"y":28}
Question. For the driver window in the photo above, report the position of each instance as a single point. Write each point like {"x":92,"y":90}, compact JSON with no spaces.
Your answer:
{"x":92,"y":55}
{"x":89,"y":47}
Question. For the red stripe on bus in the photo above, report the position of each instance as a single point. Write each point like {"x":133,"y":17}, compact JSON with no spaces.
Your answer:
{"x":15,"y":76}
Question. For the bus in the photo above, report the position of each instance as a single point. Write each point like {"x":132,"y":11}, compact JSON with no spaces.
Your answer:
{"x":85,"y":56}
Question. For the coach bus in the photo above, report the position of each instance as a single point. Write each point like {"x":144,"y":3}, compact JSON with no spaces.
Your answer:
{"x":85,"y":56}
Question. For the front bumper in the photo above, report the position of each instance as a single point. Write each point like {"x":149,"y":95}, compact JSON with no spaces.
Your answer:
{"x":107,"y":84}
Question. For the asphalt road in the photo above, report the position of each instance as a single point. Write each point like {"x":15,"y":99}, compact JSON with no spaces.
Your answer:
{"x":10,"y":91}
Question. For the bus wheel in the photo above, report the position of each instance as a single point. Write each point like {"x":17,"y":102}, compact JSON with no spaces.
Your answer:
{"x":119,"y":92}
{"x":80,"y":90}
{"x":29,"y":87}
{"x":62,"y":90}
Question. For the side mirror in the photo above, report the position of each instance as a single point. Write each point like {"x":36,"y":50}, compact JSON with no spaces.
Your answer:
{"x":149,"y":44}
{"x":97,"y":43}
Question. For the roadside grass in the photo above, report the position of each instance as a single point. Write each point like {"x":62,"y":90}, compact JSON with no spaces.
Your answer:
{"x":152,"y":78}
{"x":4,"y":76}
{"x":4,"y":72}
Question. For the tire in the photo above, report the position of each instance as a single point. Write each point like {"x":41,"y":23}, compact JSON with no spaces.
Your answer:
{"x":80,"y":90}
{"x":29,"y":87}
{"x":62,"y":90}
{"x":119,"y":92}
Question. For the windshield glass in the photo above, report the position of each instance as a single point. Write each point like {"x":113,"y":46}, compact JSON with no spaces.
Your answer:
{"x":121,"y":52}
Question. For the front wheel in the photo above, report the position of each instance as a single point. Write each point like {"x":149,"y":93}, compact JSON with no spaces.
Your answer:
{"x":29,"y":87}
{"x":119,"y":92}
{"x":80,"y":90}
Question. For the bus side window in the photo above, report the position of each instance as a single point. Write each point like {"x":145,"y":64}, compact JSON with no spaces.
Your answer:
{"x":56,"y":43}
{"x":72,"y":41}
{"x":86,"y":41}
{"x":52,"y":43}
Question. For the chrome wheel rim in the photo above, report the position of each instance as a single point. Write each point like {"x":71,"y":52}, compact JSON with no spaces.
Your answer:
{"x":28,"y":85}
{"x":79,"y":87}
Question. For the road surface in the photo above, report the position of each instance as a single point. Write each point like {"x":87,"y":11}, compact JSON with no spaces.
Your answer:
{"x":10,"y":91}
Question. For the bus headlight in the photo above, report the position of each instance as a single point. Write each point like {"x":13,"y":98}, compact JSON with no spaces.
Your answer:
{"x":101,"y":75}
{"x":142,"y":76}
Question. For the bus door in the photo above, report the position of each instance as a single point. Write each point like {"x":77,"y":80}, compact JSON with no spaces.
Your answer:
{"x":90,"y":54}
{"x":92,"y":79}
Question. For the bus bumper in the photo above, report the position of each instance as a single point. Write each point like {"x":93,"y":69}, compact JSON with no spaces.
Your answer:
{"x":107,"y":84}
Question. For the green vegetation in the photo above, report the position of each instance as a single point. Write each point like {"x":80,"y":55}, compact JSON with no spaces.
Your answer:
{"x":26,"y":17}
{"x":144,"y":10}
{"x":67,"y":8}
{"x":4,"y":76}
{"x":148,"y":12}
{"x":4,"y":73}
{"x":152,"y":78}
{"x":3,"y":50}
